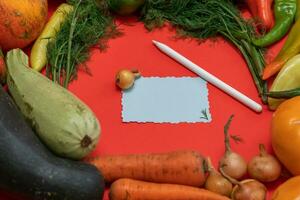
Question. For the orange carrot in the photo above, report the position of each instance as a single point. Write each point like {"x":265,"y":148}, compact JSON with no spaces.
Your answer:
{"x":179,"y":167}
{"x":128,"y":189}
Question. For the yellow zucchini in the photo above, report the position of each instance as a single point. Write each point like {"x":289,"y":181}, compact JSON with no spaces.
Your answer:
{"x":38,"y":57}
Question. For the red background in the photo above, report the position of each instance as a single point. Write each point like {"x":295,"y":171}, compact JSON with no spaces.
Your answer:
{"x":135,"y":50}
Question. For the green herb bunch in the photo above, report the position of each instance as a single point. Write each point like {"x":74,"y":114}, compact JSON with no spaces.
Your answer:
{"x":203,"y":19}
{"x":83,"y":28}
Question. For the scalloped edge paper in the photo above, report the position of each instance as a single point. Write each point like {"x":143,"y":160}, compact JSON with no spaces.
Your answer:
{"x":166,"y":100}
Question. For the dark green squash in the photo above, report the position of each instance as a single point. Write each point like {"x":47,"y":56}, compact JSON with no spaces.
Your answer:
{"x":29,"y":169}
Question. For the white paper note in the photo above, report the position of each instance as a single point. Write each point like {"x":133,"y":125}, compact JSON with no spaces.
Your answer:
{"x":166,"y":100}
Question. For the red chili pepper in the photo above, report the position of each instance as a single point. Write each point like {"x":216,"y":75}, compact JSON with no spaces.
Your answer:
{"x":262,"y":10}
{"x":2,"y":68}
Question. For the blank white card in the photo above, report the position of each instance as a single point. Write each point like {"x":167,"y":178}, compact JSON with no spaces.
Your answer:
{"x":166,"y":100}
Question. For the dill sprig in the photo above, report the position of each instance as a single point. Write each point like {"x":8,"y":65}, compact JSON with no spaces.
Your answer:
{"x":203,"y":19}
{"x":204,"y":114}
{"x":83,"y":28}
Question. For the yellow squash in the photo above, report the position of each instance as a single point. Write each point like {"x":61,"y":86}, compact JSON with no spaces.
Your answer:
{"x":290,"y":190}
{"x":38,"y":57}
{"x":286,"y":134}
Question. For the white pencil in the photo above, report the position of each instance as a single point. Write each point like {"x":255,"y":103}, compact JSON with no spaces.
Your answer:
{"x":209,"y":77}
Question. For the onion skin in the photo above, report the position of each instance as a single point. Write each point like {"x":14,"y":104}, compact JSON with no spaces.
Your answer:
{"x":264,"y":167}
{"x":249,"y":189}
{"x":125,"y":78}
{"x":234,"y":165}
{"x":216,"y":183}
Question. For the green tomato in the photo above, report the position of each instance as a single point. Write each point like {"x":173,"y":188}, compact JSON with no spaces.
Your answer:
{"x":125,"y":7}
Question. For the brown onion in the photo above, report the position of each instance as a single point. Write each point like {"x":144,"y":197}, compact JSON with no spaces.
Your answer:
{"x":264,"y":167}
{"x":215,"y":182}
{"x":249,"y":189}
{"x":232,"y":163}
{"x":125,"y":78}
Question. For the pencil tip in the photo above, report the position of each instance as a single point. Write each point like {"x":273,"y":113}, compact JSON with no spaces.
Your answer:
{"x":155,"y":42}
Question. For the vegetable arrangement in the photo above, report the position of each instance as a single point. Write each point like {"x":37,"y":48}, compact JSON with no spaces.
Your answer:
{"x":285,"y":85}
{"x":166,"y":175}
{"x":290,"y":49}
{"x":70,"y":129}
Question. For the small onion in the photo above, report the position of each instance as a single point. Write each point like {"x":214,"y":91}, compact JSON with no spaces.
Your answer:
{"x":264,"y":167}
{"x":125,"y":78}
{"x":232,"y":163}
{"x":215,"y":182}
{"x":249,"y":189}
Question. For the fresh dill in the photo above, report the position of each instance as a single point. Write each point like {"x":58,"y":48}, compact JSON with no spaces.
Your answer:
{"x":204,"y":114}
{"x":203,"y":19}
{"x":83,"y":28}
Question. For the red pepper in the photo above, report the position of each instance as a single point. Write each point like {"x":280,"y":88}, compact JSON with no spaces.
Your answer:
{"x":262,"y":10}
{"x":2,"y":68}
